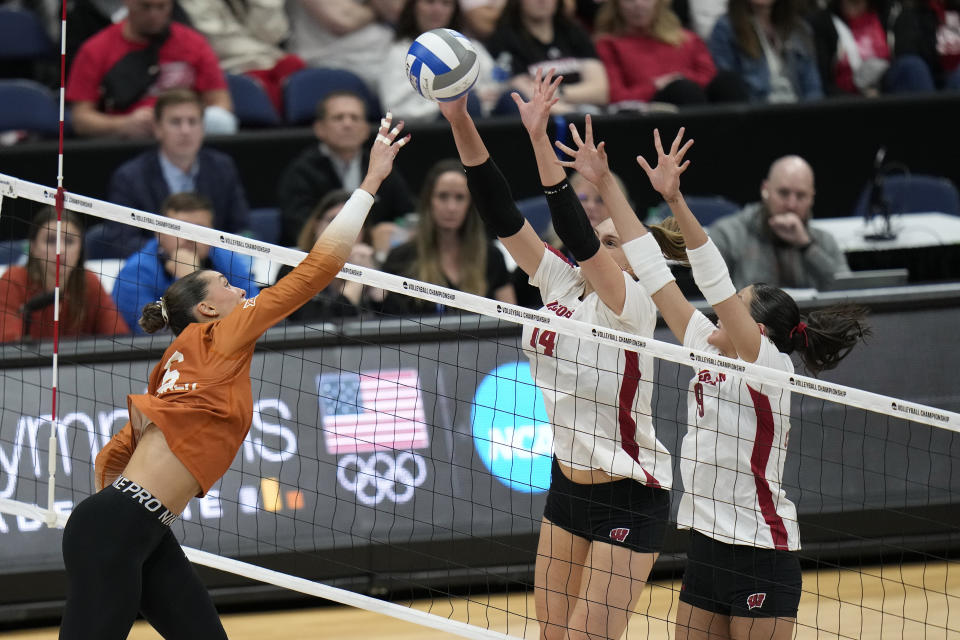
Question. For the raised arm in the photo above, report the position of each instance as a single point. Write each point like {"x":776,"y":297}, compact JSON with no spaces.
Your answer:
{"x":641,"y":248}
{"x":325,"y":259}
{"x":569,"y":219}
{"x":490,"y":191}
{"x":709,"y":270}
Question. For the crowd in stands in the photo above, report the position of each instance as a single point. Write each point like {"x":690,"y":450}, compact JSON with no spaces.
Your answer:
{"x":158,"y":69}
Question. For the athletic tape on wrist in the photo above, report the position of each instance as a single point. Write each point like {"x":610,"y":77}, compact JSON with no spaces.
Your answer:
{"x":649,"y":265}
{"x":492,"y":197}
{"x":710,"y":273}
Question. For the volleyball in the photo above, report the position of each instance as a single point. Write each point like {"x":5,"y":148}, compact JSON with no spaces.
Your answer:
{"x":442,"y":65}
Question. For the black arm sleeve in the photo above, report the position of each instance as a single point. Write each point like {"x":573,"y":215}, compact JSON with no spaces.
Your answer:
{"x":491,"y":194}
{"x":570,"y":221}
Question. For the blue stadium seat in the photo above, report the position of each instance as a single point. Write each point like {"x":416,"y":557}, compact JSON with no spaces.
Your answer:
{"x":28,"y":105}
{"x":914,"y":193}
{"x":537,"y":213}
{"x":250,"y":102}
{"x":13,"y":251}
{"x":707,"y":209}
{"x":306,"y":88}
{"x":265,"y":224}
{"x":22,"y":36}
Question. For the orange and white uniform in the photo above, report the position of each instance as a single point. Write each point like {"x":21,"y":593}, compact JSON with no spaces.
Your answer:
{"x":199,"y":394}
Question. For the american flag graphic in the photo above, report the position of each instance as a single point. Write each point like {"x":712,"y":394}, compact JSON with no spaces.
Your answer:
{"x":371,"y":411}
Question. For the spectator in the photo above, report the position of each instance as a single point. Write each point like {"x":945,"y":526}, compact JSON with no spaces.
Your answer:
{"x":341,"y":298}
{"x":118,"y":74}
{"x":771,"y":241}
{"x":450,"y":248}
{"x":855,"y":42}
{"x":147,"y":274}
{"x":26,"y":292}
{"x":338,"y":162}
{"x":934,"y":35}
{"x":179,"y":163}
{"x":650,"y":57}
{"x":416,"y":17}
{"x":247,"y":36}
{"x":536,"y":34}
{"x":480,"y":16}
{"x":87,"y":17}
{"x":703,"y":15}
{"x":769,"y":45}
{"x":341,"y":34}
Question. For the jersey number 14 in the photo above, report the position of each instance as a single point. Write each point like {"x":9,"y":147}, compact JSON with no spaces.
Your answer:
{"x":546,"y":338}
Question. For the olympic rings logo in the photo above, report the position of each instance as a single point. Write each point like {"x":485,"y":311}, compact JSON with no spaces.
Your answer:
{"x":381,"y":477}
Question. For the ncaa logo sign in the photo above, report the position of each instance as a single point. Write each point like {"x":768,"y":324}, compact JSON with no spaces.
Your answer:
{"x":511,"y":430}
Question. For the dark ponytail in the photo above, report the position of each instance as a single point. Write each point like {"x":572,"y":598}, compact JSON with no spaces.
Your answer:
{"x":179,"y":301}
{"x":823,"y":338}
{"x":668,"y":236}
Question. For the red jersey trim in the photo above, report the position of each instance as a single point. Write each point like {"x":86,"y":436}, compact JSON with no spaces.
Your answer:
{"x":628,"y":426}
{"x":762,"y":444}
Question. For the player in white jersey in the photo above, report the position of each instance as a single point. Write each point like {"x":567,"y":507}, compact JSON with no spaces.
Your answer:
{"x":743,"y":578}
{"x":608,"y":502}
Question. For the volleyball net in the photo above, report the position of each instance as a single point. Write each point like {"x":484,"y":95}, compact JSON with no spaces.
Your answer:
{"x":408,"y":456}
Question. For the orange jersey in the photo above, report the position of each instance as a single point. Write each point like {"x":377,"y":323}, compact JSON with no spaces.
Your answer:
{"x":199,"y":393}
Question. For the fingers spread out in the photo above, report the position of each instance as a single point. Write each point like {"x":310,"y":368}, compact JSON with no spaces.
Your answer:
{"x":388,"y":136}
{"x":576,"y":135}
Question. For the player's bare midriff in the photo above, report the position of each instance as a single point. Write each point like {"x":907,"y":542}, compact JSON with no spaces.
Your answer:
{"x":155,"y":468}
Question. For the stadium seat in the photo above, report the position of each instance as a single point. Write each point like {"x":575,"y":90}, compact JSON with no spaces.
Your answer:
{"x":305,"y":88}
{"x":914,"y":194}
{"x":13,"y":252}
{"x":265,"y":224}
{"x":537,"y":213}
{"x":250,"y":102}
{"x":28,"y":105}
{"x":22,"y":36}
{"x":708,"y":209}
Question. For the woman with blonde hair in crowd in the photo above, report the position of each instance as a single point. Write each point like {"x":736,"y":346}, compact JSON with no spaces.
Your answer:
{"x":27,"y":292}
{"x":450,"y":246}
{"x":650,"y":57}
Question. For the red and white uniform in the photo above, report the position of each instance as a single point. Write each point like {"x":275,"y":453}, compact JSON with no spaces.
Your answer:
{"x":597,"y":396}
{"x":732,"y":457}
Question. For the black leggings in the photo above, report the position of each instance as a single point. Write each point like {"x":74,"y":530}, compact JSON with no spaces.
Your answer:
{"x":121,"y":559}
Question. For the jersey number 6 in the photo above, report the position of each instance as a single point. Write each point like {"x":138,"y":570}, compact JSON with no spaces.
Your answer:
{"x":547,"y":340}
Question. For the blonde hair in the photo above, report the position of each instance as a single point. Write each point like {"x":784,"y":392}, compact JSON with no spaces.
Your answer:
{"x":666,"y":26}
{"x":472,"y":236}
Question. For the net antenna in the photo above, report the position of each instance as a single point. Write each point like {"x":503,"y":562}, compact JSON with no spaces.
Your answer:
{"x":50,"y":519}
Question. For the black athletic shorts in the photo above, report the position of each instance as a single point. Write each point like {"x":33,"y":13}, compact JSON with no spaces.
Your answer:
{"x":739,"y":580}
{"x":625,"y":513}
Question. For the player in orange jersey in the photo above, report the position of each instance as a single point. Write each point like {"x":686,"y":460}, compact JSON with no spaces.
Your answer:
{"x":119,"y":552}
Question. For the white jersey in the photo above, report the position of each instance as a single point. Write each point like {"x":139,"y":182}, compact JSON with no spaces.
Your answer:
{"x":732,"y":457}
{"x":597,"y":396}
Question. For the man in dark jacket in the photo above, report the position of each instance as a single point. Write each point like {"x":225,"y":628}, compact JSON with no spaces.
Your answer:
{"x":339,"y":162}
{"x":179,"y":164}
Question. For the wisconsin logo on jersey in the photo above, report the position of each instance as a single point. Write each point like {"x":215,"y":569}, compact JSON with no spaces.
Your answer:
{"x":619,"y":534}
{"x":755,"y":600}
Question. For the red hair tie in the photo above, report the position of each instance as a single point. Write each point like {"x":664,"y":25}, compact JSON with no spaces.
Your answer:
{"x":800,"y":328}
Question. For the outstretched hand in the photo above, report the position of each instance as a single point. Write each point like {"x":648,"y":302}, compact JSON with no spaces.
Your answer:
{"x":665,"y":178}
{"x":536,"y":113}
{"x":385,"y":148}
{"x":589,"y":160}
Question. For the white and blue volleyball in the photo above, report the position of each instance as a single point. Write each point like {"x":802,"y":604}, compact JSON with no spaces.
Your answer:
{"x":442,"y":65}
